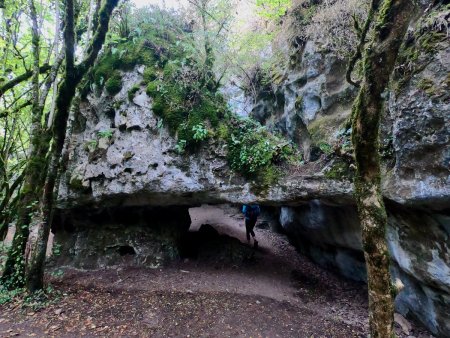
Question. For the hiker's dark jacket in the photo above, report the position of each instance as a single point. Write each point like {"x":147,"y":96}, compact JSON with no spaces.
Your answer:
{"x":251,"y":212}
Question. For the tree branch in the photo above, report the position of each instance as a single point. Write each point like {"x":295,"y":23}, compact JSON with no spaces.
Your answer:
{"x":19,"y":79}
{"x":69,"y":37}
{"x":362,"y":33}
{"x":7,"y":113}
{"x":104,"y":16}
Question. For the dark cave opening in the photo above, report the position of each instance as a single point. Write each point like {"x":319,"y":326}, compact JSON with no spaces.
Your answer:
{"x":125,"y":250}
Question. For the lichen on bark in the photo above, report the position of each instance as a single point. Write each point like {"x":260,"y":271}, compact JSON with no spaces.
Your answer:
{"x":380,"y":55}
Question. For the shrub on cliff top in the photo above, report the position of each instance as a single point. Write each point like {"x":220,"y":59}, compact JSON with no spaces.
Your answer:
{"x":252,"y":149}
{"x":331,"y":24}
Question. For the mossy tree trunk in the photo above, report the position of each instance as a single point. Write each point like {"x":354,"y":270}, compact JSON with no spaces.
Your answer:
{"x":66,"y":93}
{"x":14,"y":271}
{"x":380,"y":55}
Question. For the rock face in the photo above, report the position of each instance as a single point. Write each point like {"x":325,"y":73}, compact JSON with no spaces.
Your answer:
{"x":418,"y":241}
{"x":417,"y":178}
{"x":310,"y":101}
{"x":119,"y":154}
{"x":142,"y":236}
{"x":120,"y":157}
{"x":419,"y":244}
{"x":122,"y":151}
{"x":420,"y":112}
{"x":329,"y":234}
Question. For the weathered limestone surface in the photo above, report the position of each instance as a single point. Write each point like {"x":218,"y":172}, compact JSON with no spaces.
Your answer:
{"x":418,"y":241}
{"x":421,"y":134}
{"x":121,"y":157}
{"x":96,"y":238}
{"x":416,"y":185}
{"x":309,"y":101}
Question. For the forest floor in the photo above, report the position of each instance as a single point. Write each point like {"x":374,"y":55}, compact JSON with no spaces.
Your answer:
{"x":272,"y":292}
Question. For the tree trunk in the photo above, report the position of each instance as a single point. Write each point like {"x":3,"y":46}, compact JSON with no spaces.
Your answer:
{"x":379,"y":60}
{"x":14,"y":271}
{"x":4,"y":212}
{"x":209,"y":53}
{"x":67,"y":89}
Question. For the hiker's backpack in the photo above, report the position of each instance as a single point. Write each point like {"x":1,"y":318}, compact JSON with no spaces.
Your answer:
{"x":253,"y":211}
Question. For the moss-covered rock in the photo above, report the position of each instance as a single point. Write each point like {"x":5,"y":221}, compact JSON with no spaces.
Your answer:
{"x":429,"y":36}
{"x":129,"y":236}
{"x":133,"y":90}
{"x":339,"y":170}
{"x":186,"y":104}
{"x":152,"y":89}
{"x":114,"y":84}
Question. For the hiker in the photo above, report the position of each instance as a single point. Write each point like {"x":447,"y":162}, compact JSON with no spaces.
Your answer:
{"x":251,"y":213}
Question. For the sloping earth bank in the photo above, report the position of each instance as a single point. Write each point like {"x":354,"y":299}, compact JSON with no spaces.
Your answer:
{"x":226,"y":289}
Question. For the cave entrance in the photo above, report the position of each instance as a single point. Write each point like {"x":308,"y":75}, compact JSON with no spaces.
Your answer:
{"x":217,"y":233}
{"x":228,"y":219}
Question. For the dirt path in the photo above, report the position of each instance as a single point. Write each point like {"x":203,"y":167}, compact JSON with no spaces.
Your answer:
{"x":272,"y":292}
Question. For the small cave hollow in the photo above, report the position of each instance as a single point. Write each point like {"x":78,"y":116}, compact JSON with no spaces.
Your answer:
{"x":126,"y":250}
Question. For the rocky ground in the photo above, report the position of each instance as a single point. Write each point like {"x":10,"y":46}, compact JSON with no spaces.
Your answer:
{"x":223,"y":288}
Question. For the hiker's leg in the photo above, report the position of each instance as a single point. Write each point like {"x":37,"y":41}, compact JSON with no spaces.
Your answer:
{"x":252,"y":226}
{"x":255,"y":242}
{"x":247,"y":230}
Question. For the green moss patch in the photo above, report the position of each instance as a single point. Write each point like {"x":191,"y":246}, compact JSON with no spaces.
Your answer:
{"x":420,"y":47}
{"x":132,"y":92}
{"x":339,"y":170}
{"x":114,"y":83}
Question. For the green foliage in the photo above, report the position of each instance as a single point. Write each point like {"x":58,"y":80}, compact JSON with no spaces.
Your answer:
{"x":34,"y":301}
{"x":180,"y":146}
{"x":272,"y":9}
{"x":173,"y":77}
{"x":152,"y":89}
{"x":120,"y":56}
{"x":107,"y":133}
{"x":149,"y":74}
{"x":7,"y":295}
{"x":114,"y":84}
{"x":57,"y":273}
{"x":3,"y":254}
{"x":41,"y":299}
{"x":326,"y":148}
{"x":200,"y":132}
{"x":253,"y":150}
{"x":222,"y":131}
{"x":187,"y":104}
{"x":416,"y":52}
{"x":56,"y":249}
{"x":17,"y":279}
{"x":132,"y":92}
{"x":183,"y":103}
{"x":339,"y":170}
{"x":90,"y":145}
